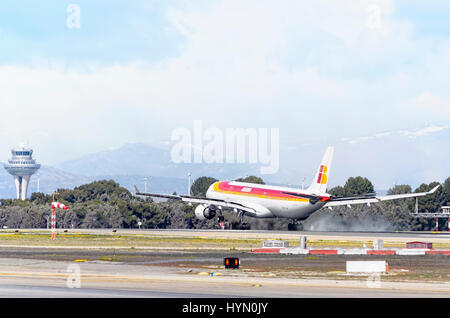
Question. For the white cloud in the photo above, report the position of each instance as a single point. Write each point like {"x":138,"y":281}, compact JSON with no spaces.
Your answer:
{"x":422,"y":132}
{"x":432,"y":103}
{"x":299,"y":66}
{"x":360,"y":139}
{"x":366,"y":138}
{"x":383,"y":134}
{"x":405,"y":133}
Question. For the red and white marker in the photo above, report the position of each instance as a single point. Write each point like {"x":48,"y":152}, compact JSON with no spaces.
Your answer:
{"x":53,"y":216}
{"x":59,"y":205}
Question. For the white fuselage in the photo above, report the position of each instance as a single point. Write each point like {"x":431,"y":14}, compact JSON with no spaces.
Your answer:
{"x":267,"y":201}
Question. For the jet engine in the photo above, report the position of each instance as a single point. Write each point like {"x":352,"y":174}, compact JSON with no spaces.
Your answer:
{"x":205,"y":212}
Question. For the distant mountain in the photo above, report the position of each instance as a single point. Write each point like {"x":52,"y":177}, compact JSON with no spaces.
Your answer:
{"x":128,"y":166}
{"x":145,"y":160}
{"x":51,"y":179}
{"x":130,"y":159}
{"x":386,"y":158}
{"x":154,"y":184}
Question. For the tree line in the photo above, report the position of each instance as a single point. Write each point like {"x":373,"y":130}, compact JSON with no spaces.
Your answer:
{"x":105,"y":204}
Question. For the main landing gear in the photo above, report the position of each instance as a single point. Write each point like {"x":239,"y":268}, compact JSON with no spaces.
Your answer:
{"x":240,"y":225}
{"x":295,"y":226}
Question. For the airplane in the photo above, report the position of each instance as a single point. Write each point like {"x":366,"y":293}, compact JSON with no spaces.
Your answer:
{"x":265,"y":201}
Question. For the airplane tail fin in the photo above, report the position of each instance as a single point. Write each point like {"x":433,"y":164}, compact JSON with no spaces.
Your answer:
{"x":320,"y":181}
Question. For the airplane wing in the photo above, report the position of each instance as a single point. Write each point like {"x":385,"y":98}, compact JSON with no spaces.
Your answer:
{"x":191,"y":199}
{"x":375,"y":199}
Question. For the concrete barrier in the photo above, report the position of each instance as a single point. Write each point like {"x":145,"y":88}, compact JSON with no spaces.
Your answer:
{"x":366,"y":266}
{"x":295,"y":250}
{"x":381,"y":252}
{"x":412,"y":251}
{"x":323,"y":252}
{"x":266,"y":250}
{"x":432,"y":252}
{"x":354,"y":251}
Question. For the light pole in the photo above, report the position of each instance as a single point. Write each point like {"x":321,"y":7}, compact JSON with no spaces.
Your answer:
{"x":145,"y":184}
{"x":189,"y":184}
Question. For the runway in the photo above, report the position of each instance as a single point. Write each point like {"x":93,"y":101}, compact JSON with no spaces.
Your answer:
{"x":50,"y":279}
{"x":27,"y":291}
{"x":64,"y":269}
{"x":263,"y":234}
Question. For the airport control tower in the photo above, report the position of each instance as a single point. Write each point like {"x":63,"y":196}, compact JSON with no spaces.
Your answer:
{"x":22,"y":166}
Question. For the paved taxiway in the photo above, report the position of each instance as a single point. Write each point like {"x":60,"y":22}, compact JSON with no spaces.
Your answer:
{"x":37,"y":273}
{"x":31,"y":278}
{"x":261,"y":234}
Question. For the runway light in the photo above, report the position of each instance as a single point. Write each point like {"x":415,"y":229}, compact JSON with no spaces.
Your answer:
{"x":231,"y":262}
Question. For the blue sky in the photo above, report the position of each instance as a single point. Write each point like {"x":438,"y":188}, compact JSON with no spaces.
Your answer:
{"x":111,"y":32}
{"x":136,"y":70}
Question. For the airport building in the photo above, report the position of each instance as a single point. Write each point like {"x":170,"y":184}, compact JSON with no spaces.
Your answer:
{"x":22,"y":166}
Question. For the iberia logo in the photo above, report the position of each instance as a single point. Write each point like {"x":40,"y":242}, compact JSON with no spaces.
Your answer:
{"x":322,"y":179}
